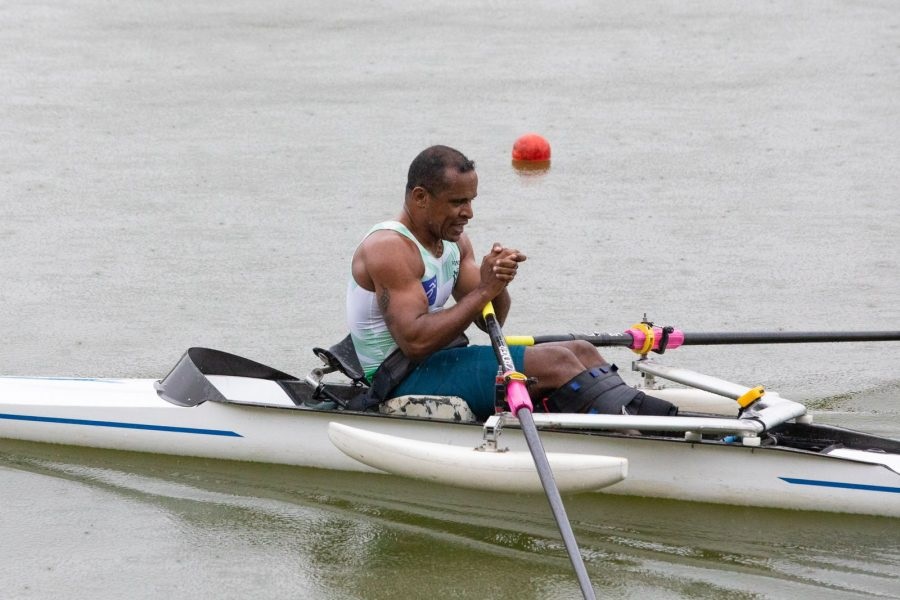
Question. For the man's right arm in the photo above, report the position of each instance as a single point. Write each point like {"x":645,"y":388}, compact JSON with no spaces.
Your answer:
{"x":393,"y":267}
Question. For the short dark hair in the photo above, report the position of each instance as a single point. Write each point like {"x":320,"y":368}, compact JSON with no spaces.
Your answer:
{"x":428,"y":168}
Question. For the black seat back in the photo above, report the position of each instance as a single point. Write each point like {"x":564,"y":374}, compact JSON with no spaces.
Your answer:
{"x":342,"y":357}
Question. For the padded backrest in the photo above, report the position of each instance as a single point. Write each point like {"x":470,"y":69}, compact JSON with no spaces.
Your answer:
{"x":342,"y":357}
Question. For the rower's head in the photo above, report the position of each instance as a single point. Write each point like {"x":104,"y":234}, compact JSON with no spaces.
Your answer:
{"x":429,"y":169}
{"x":440,"y":187}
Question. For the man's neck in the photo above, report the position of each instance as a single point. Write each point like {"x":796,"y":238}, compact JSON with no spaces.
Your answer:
{"x":434,"y":245}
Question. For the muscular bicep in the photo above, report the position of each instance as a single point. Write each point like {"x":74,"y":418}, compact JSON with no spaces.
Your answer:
{"x":402,"y":301}
{"x":395,"y":277}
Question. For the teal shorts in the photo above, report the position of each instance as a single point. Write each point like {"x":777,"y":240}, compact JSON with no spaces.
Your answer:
{"x":469,"y":372}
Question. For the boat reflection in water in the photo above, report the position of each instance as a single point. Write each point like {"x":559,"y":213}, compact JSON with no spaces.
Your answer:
{"x":328,"y":534}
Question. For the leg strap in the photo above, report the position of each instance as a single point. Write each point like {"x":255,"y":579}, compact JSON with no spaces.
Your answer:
{"x":602,"y":390}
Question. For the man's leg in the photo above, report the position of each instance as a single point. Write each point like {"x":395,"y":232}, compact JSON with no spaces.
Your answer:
{"x":574,"y":377}
{"x":469,"y":372}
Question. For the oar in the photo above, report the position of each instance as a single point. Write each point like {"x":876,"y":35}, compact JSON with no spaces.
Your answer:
{"x":520,"y":405}
{"x":644,"y":338}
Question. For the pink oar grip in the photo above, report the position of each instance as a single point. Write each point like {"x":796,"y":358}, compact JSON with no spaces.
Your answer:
{"x":676,"y":338}
{"x":517,"y":396}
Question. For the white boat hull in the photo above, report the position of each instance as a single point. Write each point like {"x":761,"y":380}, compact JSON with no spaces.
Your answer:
{"x":129,"y":415}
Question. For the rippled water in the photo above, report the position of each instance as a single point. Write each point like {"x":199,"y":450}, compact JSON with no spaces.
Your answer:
{"x":174,"y":175}
{"x":191,"y":526}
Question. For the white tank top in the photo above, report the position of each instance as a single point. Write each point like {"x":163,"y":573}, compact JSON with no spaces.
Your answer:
{"x":371,"y":338}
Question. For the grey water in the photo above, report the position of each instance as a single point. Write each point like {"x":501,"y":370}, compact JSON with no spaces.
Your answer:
{"x":197,"y":174}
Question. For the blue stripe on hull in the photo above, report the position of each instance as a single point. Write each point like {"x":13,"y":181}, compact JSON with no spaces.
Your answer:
{"x":842,"y":485}
{"x":220,"y":432}
{"x":94,"y":379}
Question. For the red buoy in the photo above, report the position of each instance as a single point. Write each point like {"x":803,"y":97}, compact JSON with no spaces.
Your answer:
{"x":531,"y":147}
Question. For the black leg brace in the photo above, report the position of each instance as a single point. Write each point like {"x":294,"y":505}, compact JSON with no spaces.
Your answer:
{"x":601,"y":390}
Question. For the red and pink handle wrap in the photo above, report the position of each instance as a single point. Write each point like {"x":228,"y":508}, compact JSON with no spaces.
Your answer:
{"x":646,"y":338}
{"x":516,"y":393}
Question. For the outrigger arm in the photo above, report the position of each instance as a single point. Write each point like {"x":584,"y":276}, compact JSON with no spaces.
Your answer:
{"x":756,"y":417}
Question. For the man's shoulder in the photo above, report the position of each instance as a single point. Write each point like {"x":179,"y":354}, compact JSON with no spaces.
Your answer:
{"x":388,"y":249}
{"x":388,"y":226}
{"x":386,"y":239}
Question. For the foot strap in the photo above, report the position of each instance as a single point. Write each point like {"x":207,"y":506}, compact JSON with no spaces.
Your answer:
{"x":602,"y":391}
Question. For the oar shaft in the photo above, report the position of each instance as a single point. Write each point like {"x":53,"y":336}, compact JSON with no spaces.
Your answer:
{"x":597,"y":339}
{"x":788,"y":337}
{"x":520,"y":404}
{"x":635,"y":339}
{"x":529,"y":430}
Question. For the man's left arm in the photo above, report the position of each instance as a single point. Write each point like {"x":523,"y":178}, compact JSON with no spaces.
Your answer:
{"x":501,"y":261}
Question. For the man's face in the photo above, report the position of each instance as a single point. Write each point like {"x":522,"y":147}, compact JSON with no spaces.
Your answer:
{"x":450,"y":209}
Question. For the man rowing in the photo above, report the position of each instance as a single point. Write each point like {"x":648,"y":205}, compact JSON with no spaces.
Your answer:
{"x":410,"y":343}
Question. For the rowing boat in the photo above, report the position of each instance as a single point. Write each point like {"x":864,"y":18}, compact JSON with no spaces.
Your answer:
{"x":213,"y":404}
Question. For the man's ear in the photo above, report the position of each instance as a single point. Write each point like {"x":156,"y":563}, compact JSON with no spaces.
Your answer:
{"x":420,"y":195}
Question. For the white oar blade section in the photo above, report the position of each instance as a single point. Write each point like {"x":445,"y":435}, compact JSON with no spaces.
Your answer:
{"x":471,"y":468}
